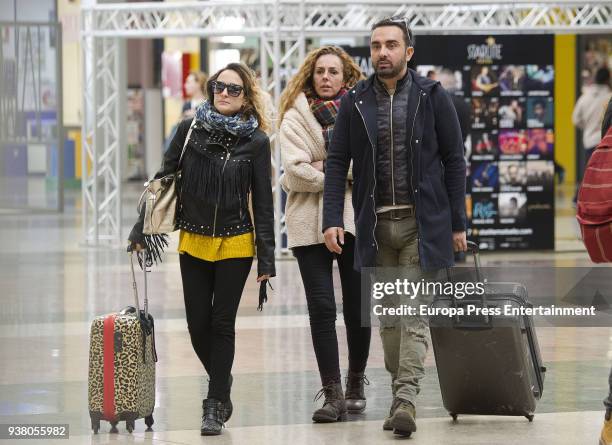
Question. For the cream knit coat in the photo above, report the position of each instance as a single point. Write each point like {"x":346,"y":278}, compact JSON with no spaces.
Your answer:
{"x":301,"y":142}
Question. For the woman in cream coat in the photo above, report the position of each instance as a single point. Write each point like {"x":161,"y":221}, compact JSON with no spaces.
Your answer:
{"x":307,"y":114}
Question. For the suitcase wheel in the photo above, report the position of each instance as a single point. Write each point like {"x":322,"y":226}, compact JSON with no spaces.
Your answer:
{"x":454,"y":416}
{"x":529,"y":417}
{"x":95,"y":425}
{"x":149,"y":422}
{"x":130,"y":425}
{"x":114,"y":429}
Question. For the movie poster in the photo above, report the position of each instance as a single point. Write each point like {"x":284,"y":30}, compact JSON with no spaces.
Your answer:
{"x":510,"y":147}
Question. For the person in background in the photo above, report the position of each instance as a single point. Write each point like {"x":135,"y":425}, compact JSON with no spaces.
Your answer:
{"x":588,"y":114}
{"x":268,"y":104}
{"x":309,"y":106}
{"x":607,"y":119}
{"x":606,"y":432}
{"x":195,"y":87}
{"x":448,"y":82}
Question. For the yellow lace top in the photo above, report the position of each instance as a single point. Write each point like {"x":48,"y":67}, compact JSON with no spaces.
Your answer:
{"x":219,"y":248}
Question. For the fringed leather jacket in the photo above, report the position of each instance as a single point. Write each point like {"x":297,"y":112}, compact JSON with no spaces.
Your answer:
{"x":218,"y":173}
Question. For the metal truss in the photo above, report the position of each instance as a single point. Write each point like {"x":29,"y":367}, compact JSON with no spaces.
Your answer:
{"x":101,"y":178}
{"x":321,"y":18}
{"x":437,"y":17}
{"x":180,"y":19}
{"x":282,"y":27}
{"x":285,"y":54}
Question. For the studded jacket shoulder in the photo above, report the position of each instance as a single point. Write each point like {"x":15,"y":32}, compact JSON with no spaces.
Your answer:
{"x":219,"y":172}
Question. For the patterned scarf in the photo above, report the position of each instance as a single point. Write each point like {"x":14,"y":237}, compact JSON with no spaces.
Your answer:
{"x":325,"y":111}
{"x":214,"y":121}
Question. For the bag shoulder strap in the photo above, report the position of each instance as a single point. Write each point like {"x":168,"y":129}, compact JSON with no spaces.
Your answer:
{"x":142,"y":196}
{"x":186,"y":141}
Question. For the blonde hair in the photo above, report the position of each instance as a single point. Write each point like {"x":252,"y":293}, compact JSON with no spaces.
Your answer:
{"x":254,"y":104}
{"x":201,"y":79}
{"x":302,"y":81}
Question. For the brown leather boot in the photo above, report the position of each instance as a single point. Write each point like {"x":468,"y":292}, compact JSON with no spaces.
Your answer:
{"x":334,"y":406}
{"x":403,"y":420}
{"x":387,"y":423}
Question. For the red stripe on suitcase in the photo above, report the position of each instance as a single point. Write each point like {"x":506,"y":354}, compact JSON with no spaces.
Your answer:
{"x":109,"y":367}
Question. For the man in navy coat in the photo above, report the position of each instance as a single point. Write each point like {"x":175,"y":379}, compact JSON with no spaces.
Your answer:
{"x":402,"y":134}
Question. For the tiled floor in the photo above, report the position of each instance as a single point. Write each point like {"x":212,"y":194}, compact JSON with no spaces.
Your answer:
{"x":52,"y":288}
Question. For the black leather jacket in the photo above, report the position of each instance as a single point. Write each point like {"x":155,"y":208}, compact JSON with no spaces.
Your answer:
{"x":218,"y":173}
{"x":395,"y":166}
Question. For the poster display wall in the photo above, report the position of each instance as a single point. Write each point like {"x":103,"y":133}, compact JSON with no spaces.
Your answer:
{"x":510,"y":147}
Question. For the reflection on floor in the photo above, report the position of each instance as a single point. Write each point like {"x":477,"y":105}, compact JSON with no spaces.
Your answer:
{"x":52,"y":288}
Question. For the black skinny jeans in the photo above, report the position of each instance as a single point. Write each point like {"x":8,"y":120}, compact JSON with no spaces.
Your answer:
{"x":315,"y":263}
{"x":212,"y":292}
{"x":608,"y":400}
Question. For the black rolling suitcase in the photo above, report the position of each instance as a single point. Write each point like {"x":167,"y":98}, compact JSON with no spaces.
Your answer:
{"x":487,"y":364}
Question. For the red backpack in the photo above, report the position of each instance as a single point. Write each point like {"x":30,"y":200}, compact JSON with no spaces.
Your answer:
{"x":594,"y":206}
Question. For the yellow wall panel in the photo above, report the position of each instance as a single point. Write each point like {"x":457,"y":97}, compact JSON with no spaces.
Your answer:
{"x":69,"y":13}
{"x":194,"y":61}
{"x":565,"y":98}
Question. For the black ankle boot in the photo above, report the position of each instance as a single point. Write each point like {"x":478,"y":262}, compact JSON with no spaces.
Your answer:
{"x":334,"y":406}
{"x":355,"y":394}
{"x":229,"y":408}
{"x":212,"y":418}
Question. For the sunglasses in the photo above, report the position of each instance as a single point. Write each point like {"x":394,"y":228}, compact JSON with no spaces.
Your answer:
{"x":404,"y":22}
{"x":232,"y":89}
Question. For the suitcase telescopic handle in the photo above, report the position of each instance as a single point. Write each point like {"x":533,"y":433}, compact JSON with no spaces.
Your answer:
{"x":473,"y":248}
{"x":135,"y":286}
{"x":475,"y":251}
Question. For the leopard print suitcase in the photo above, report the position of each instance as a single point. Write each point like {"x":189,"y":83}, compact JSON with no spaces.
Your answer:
{"x":122,"y":361}
{"x":121,"y":370}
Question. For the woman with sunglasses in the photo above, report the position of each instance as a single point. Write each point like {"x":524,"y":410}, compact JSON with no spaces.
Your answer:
{"x":308,"y":111}
{"x":226,"y":160}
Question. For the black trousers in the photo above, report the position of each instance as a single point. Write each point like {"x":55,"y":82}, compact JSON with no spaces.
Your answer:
{"x":608,"y":400}
{"x":315,"y":263}
{"x":212,"y":292}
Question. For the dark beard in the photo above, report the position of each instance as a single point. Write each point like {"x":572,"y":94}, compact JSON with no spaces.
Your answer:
{"x":390,"y":73}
